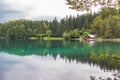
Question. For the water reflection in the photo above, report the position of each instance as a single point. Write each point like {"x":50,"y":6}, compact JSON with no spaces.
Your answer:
{"x":58,"y":60}
{"x":91,"y":43}
{"x":44,"y":68}
{"x":58,"y":47}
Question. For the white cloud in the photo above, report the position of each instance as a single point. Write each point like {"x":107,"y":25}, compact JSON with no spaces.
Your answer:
{"x":36,"y":8}
{"x":33,"y":67}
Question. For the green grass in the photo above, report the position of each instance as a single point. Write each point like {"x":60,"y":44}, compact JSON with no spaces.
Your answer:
{"x":47,"y":38}
{"x":53,"y":38}
{"x":33,"y":38}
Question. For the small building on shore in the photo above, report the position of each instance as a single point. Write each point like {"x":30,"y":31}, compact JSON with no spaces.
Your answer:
{"x":90,"y":37}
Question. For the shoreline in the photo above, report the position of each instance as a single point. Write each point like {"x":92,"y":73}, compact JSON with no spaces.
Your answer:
{"x":77,"y":39}
{"x":114,"y":40}
{"x":98,"y":39}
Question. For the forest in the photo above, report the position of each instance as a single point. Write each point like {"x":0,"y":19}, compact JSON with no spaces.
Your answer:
{"x":104,"y":24}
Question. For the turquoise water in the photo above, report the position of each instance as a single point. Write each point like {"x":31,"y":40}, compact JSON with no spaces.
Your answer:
{"x":57,"y":60}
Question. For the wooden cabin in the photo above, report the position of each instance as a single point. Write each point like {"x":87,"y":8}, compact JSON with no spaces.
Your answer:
{"x":90,"y":37}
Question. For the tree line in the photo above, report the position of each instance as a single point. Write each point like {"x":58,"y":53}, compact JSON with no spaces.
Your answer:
{"x":104,"y":24}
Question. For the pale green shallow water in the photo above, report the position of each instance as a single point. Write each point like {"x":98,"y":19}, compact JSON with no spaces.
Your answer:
{"x":55,"y":60}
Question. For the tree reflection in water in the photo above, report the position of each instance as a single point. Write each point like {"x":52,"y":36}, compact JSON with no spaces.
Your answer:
{"x":104,"y":54}
{"x":109,"y":62}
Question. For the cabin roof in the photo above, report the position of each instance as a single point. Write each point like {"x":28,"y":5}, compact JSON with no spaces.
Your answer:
{"x":91,"y":36}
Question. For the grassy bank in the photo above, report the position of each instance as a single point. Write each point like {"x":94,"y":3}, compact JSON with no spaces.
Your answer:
{"x":46,"y":38}
{"x":61,"y":38}
{"x":53,"y":38}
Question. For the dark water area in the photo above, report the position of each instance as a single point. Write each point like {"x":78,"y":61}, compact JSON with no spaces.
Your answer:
{"x":58,"y":60}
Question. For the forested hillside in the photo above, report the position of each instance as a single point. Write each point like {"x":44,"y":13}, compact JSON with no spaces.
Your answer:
{"x":104,"y":24}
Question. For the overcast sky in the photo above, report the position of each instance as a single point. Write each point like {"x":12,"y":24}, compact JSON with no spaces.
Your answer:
{"x":30,"y":9}
{"x":34,"y":9}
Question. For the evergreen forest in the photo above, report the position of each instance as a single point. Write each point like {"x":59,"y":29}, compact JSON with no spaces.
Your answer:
{"x":104,"y":24}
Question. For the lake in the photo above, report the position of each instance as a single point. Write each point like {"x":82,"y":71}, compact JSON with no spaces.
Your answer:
{"x":59,"y":60}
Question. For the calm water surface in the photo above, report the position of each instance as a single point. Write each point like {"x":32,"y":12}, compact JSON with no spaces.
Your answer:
{"x":58,"y":60}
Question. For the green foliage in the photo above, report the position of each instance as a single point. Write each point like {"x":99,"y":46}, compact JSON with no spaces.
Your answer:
{"x":41,"y":36}
{"x":82,"y":5}
{"x":22,"y":29}
{"x":53,"y":26}
{"x":85,"y":34}
{"x":75,"y":33}
{"x":29,"y":33}
{"x":105,"y":24}
{"x":16,"y":32}
{"x":49,"y":33}
{"x":111,"y":61}
{"x":106,"y":28}
{"x":66,"y":35}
